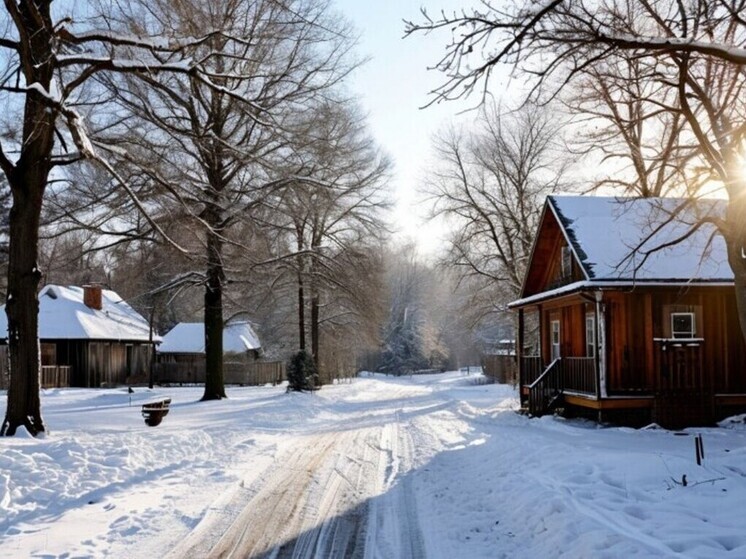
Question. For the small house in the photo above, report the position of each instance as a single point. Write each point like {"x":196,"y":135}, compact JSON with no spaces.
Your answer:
{"x":181,"y":356}
{"x":90,"y":337}
{"x":628,"y":311}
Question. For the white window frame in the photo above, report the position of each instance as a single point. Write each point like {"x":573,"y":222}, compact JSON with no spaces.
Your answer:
{"x":590,"y":335}
{"x":555,"y":346}
{"x":683,"y":335}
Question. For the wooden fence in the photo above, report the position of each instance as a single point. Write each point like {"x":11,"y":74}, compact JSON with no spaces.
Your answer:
{"x":245,"y":374}
{"x":501,"y":368}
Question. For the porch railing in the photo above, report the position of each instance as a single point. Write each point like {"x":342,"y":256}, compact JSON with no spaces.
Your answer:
{"x":55,"y":376}
{"x":579,"y":374}
{"x":565,"y":374}
{"x":545,"y":390}
{"x":531,"y":368}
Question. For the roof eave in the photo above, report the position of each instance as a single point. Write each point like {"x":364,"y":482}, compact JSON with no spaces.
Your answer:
{"x":614,"y":284}
{"x":586,"y":274}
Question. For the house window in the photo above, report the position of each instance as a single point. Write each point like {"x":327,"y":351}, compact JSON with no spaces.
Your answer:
{"x":566,"y":264}
{"x":555,"y":338}
{"x":590,"y":335}
{"x":48,"y":354}
{"x":682,"y":325}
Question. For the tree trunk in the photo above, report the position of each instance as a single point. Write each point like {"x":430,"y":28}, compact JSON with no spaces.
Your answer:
{"x":214,"y":382}
{"x":315,"y":329}
{"x":22,"y":308}
{"x":28,"y":181}
{"x":736,"y":241}
{"x":151,"y":330}
{"x":315,"y":333}
{"x":301,"y":313}
{"x":301,"y":294}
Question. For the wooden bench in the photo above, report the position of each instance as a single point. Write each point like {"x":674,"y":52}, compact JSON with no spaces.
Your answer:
{"x":154,"y":412}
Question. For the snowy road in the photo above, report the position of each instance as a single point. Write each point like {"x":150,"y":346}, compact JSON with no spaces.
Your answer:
{"x":437,"y":466}
{"x":328,"y":495}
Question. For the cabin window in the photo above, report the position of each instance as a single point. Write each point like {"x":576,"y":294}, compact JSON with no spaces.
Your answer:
{"x":48,"y":354}
{"x":555,"y":338}
{"x":566,"y":263}
{"x":682,"y":325}
{"x":590,"y":335}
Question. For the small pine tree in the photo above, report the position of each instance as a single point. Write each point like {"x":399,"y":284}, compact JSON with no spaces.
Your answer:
{"x":302,"y":373}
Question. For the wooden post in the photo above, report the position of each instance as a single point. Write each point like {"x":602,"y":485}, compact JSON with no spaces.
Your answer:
{"x":600,"y":347}
{"x":519,"y":347}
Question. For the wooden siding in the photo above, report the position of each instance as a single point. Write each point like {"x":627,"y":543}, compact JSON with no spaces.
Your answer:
{"x":548,"y":251}
{"x":637,"y":319}
{"x":681,"y":377}
{"x":86,"y":364}
{"x":106,"y":363}
{"x":570,"y":311}
{"x":627,"y":344}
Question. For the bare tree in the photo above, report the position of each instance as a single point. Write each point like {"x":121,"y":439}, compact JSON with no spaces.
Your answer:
{"x":334,"y":221}
{"x":634,"y":125}
{"x":490,"y":182}
{"x":696,"y":48}
{"x":228,"y":144}
{"x":51,"y":59}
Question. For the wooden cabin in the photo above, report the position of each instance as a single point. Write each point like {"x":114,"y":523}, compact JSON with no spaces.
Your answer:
{"x":181,"y":356}
{"x":628,"y":312}
{"x":90,"y":337}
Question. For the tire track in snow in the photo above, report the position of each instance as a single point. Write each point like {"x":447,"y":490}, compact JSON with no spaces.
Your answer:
{"x":340,"y":494}
{"x":395,"y":530}
{"x":312,"y":504}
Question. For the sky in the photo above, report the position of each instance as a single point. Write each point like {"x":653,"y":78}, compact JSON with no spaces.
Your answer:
{"x":392,"y":87}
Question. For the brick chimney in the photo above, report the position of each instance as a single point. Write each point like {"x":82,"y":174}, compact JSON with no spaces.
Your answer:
{"x":92,"y":297}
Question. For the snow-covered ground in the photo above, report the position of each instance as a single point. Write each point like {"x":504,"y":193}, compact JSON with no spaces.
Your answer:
{"x":433,"y":466}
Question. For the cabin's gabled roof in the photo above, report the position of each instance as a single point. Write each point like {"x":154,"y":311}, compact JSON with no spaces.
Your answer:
{"x":644,"y":239}
{"x":189,"y":337}
{"x":633,"y":241}
{"x":64,"y":316}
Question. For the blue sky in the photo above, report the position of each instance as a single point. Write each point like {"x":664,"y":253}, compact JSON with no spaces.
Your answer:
{"x":392,"y":86}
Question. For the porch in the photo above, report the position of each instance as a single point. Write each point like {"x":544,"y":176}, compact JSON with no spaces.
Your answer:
{"x":572,"y":381}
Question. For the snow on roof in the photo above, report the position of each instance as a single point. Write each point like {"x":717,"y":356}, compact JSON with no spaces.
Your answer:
{"x":189,"y":337}
{"x":626,"y":238}
{"x":64,"y":315}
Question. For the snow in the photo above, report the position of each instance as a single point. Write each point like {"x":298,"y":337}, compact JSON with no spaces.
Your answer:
{"x":64,"y":316}
{"x":618,"y":238}
{"x":435,"y":465}
{"x":189,"y":337}
{"x":52,"y":95}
